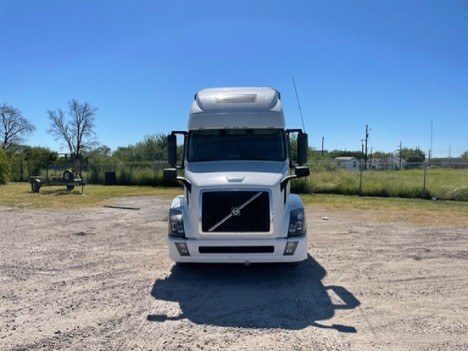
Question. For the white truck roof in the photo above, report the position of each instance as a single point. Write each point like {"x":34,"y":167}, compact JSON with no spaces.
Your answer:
{"x":236,"y":107}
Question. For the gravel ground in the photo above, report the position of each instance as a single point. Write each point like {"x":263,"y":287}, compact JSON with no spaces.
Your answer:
{"x":100,"y":279}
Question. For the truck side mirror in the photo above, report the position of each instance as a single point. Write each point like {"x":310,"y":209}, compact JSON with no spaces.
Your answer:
{"x":302,"y":171}
{"x":172,"y":149}
{"x":170,"y":173}
{"x":302,"y":148}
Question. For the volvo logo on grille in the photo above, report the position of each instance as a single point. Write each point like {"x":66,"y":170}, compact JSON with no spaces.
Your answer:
{"x":235,"y":211}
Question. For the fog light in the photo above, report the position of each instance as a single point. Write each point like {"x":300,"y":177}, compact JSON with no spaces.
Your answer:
{"x":182,"y":249}
{"x":290,"y":248}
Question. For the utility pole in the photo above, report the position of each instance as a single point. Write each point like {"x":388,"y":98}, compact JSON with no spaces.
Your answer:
{"x":365,"y":150}
{"x":400,"y":154}
{"x":323,"y":141}
{"x":430,"y":148}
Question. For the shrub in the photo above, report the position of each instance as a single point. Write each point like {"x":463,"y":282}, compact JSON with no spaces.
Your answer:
{"x":4,"y":168}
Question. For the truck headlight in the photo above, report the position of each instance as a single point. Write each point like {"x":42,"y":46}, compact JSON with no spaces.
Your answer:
{"x":176,"y":223}
{"x":297,"y":223}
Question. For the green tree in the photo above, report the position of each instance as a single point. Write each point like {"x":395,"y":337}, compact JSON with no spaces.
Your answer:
{"x":38,"y":158}
{"x":381,"y":155}
{"x":413,"y":157}
{"x":152,"y":148}
{"x":124,"y":153}
{"x":99,"y":161}
{"x":465,"y":155}
{"x":345,"y":153}
{"x":100,"y":151}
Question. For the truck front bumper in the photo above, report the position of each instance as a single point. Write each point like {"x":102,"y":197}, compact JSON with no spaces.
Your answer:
{"x":238,"y":251}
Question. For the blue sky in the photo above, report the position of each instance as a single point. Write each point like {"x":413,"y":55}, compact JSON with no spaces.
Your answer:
{"x":398,"y":66}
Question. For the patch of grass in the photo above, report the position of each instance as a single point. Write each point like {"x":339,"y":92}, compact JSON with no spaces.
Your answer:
{"x":20,"y":195}
{"x":446,"y":184}
{"x":379,"y":209}
{"x":383,"y":209}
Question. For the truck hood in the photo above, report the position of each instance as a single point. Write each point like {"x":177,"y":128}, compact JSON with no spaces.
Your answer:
{"x":234,"y":173}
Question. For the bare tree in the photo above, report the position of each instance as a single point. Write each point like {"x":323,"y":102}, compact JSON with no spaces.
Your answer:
{"x":77,"y":131}
{"x":13,"y":126}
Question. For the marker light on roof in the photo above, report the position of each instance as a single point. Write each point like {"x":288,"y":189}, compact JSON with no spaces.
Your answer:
{"x":235,"y":98}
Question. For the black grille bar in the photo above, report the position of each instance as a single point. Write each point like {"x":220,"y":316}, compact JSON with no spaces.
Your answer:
{"x":235,"y":211}
{"x":235,"y":249}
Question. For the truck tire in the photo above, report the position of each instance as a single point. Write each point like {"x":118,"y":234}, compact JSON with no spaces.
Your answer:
{"x":70,"y":187}
{"x":67,"y":176}
{"x":35,"y":186}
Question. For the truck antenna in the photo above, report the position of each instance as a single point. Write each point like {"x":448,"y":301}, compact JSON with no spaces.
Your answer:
{"x":299,"y":104}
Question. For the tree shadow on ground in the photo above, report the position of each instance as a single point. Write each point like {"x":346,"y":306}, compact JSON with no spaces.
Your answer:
{"x":256,"y":296}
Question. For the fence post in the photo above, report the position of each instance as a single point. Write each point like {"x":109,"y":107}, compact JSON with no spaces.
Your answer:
{"x":424,"y":181}
{"x":360,"y":178}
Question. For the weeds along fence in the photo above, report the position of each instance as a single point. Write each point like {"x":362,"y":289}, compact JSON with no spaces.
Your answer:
{"x":417,"y":180}
{"x":127,"y":173}
{"x":109,"y":173}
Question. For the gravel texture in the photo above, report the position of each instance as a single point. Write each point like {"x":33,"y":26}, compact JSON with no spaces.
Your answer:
{"x":100,"y":279}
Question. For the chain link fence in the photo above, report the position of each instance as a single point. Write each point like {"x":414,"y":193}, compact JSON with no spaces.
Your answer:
{"x":434,"y":180}
{"x":413,"y":180}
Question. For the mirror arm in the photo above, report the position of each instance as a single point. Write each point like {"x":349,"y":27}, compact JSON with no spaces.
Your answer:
{"x":286,"y":180}
{"x":186,"y":183}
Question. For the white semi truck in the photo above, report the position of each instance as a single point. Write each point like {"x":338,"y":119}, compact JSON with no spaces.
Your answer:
{"x":237,"y":206}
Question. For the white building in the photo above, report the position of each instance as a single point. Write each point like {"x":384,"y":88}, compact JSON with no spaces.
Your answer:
{"x":347,"y":162}
{"x":390,"y":163}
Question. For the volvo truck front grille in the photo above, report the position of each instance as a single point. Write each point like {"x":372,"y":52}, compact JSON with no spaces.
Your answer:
{"x":235,"y":211}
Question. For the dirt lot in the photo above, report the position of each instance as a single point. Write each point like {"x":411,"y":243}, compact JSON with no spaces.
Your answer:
{"x":100,"y":279}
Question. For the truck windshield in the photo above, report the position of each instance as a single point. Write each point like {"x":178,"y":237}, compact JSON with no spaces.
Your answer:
{"x":236,"y":144}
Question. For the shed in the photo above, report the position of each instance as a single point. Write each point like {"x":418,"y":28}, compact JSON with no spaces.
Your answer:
{"x":348,"y":162}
